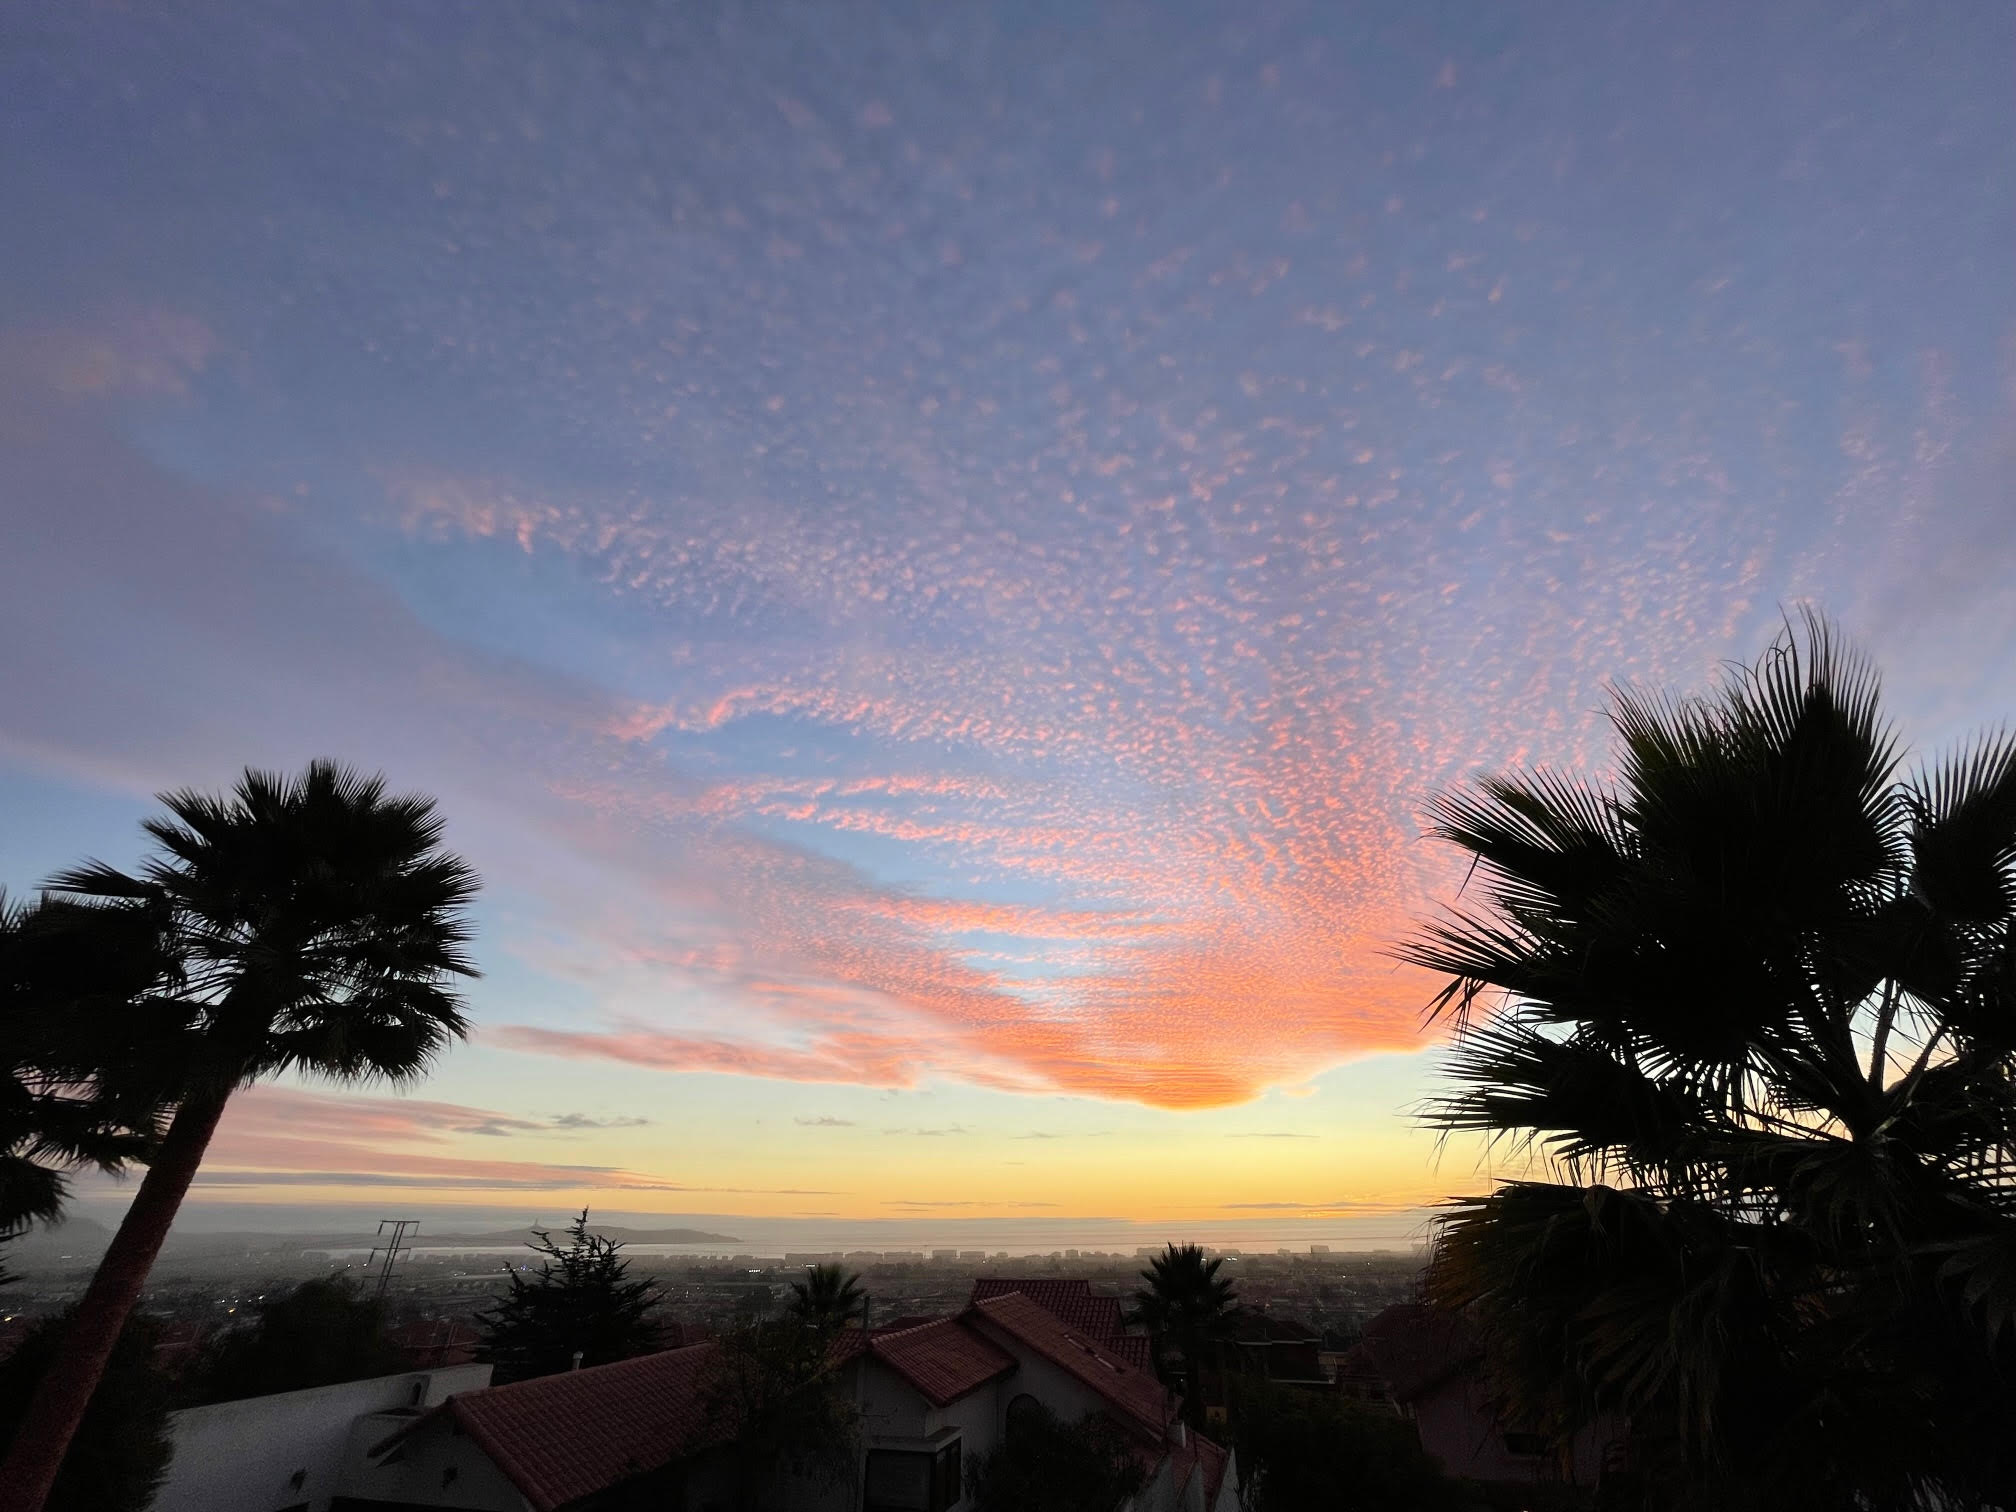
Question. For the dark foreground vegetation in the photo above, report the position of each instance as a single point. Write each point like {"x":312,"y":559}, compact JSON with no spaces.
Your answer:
{"x":1749,"y":1009}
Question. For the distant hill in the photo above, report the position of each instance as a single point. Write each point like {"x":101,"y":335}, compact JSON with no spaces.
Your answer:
{"x":74,"y":1242}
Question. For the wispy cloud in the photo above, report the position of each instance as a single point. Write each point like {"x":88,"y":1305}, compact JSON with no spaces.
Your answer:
{"x":964,"y":1202}
{"x":595,"y":1121}
{"x":1343,"y":1206}
{"x":1272,"y":1134}
{"x":1074,"y":1134}
{"x":825,"y":1121}
{"x":1039,"y":693}
{"x":286,"y":1137}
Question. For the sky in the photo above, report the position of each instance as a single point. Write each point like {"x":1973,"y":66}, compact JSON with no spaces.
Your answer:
{"x":933,"y":555}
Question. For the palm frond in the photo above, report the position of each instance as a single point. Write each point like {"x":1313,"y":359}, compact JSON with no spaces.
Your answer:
{"x":1594,"y":1110}
{"x":1963,"y":838}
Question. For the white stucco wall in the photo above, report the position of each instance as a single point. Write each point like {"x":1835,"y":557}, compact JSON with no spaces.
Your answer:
{"x":243,"y":1456}
{"x":1070,"y":1399}
{"x":1063,"y":1393}
{"x":439,"y":1466}
{"x":890,"y":1406}
{"x":979,"y":1418}
{"x":895,"y":1415}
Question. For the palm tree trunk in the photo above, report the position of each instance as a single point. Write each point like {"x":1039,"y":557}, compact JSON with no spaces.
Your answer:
{"x":64,"y":1393}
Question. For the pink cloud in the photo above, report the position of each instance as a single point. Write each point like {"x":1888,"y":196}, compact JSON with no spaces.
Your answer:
{"x":275,"y":1136}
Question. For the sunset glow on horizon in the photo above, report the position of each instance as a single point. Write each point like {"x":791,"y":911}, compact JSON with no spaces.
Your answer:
{"x":932,"y":557}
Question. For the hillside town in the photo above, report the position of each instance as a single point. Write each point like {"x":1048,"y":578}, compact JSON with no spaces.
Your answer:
{"x":934,"y":1377}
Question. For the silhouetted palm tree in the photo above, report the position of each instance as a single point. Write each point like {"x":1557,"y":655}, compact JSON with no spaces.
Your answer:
{"x":827,"y":1297}
{"x":1749,"y":1011}
{"x":1187,"y":1304}
{"x":314,"y":925}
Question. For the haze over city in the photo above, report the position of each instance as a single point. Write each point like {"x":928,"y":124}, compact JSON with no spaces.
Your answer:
{"x":932,"y":558}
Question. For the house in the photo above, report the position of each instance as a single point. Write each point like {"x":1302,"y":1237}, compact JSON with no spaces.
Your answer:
{"x":938,"y":1394}
{"x":932,"y":1396}
{"x":1427,"y":1362}
{"x":633,"y":1434}
{"x":296,"y":1451}
{"x":1097,"y":1315}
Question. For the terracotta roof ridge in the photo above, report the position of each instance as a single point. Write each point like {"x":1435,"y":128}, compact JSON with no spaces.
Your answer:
{"x":492,"y":1444}
{"x":590,"y":1372}
{"x":1136,"y":1392}
{"x":877,"y":1335}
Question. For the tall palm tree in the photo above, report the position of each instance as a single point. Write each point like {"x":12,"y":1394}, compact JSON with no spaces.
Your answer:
{"x":827,"y":1297}
{"x":314,"y":924}
{"x":1188,"y":1305}
{"x":1748,"y":1014}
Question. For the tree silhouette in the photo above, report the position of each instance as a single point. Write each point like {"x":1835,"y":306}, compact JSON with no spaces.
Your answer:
{"x":579,"y":1307}
{"x":1185,"y":1305}
{"x":311,"y":924}
{"x":827,"y":1297}
{"x":1086,"y":1466}
{"x":774,"y":1395}
{"x":320,"y":1333}
{"x":1749,"y":1013}
{"x":1299,"y":1449}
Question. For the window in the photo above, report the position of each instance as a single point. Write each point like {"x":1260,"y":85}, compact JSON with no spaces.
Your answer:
{"x":913,"y":1480}
{"x":1023,"y":1413}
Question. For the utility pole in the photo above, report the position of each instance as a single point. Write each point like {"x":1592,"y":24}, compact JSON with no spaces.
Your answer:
{"x":392,"y":1249}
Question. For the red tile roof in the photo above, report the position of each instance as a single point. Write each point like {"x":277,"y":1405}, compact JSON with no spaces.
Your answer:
{"x":559,"y":1438}
{"x":1071,"y":1300}
{"x":1139,"y":1396}
{"x":1133,"y":1348}
{"x":943,"y":1359}
{"x":1077,"y":1306}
